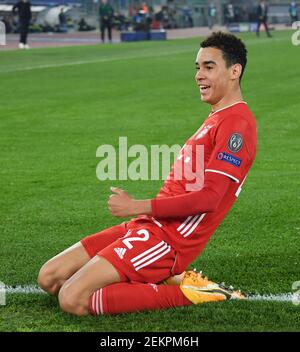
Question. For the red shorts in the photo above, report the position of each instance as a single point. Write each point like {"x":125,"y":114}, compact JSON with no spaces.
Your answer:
{"x":135,"y":250}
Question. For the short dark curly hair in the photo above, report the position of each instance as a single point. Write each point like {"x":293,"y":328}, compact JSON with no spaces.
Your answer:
{"x":234,"y":50}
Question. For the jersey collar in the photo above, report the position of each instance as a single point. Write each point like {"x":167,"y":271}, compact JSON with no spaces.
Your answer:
{"x":226,"y":107}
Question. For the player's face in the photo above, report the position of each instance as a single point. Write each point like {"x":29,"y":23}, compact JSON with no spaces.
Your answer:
{"x":212,"y":76}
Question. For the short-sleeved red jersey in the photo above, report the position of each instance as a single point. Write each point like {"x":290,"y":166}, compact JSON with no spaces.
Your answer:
{"x":229,"y":137}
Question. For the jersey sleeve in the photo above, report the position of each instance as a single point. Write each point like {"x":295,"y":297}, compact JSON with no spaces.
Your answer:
{"x":231,"y":153}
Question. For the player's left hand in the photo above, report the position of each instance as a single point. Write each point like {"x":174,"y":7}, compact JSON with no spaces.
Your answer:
{"x":120,"y":203}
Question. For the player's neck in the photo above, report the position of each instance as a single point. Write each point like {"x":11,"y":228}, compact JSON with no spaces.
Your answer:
{"x":227,"y":101}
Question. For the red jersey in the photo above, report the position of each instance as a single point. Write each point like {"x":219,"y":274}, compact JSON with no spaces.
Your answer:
{"x":229,"y":139}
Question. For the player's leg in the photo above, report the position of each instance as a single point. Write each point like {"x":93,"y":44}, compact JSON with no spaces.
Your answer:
{"x":132,"y":297}
{"x":135,"y":297}
{"x":258,"y":27}
{"x":26,"y":30}
{"x":74,"y":295}
{"x":109,"y":30}
{"x":57,"y":270}
{"x":102,"y":29}
{"x":267,"y":29}
{"x":22,"y":32}
{"x":148,"y":259}
{"x":138,"y":256}
{"x":95,"y":289}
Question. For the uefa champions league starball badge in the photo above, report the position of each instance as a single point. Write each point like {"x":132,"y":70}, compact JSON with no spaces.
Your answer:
{"x":235,"y":142}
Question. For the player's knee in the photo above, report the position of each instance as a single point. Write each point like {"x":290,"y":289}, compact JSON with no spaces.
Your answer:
{"x":46,"y":279}
{"x":72,"y":303}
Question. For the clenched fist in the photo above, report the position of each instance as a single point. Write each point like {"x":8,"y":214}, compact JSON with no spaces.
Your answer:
{"x":121,"y":204}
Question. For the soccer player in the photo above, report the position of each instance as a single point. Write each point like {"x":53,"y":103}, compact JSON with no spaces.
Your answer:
{"x":262,"y":17}
{"x":121,"y":269}
{"x":23,"y":8}
{"x":106,"y":14}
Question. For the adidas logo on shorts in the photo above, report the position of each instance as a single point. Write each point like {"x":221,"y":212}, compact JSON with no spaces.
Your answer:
{"x":120,"y":252}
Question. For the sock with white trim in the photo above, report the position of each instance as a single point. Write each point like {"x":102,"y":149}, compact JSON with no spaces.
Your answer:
{"x":132,"y":297}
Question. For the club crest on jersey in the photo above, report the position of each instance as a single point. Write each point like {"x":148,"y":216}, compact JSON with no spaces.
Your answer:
{"x":235,"y":142}
{"x":231,"y":159}
{"x":203,"y":131}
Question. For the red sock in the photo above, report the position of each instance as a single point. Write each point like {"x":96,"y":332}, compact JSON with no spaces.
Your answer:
{"x":133,"y":297}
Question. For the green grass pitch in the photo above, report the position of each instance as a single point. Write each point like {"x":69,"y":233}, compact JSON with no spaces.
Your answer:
{"x":58,"y":105}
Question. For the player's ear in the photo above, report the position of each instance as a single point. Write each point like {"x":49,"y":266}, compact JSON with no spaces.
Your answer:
{"x":236,"y":71}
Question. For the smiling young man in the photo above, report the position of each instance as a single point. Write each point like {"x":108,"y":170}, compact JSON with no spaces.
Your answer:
{"x":119,"y":269}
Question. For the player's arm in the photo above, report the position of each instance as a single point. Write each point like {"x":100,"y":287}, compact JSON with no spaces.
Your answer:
{"x":204,"y":201}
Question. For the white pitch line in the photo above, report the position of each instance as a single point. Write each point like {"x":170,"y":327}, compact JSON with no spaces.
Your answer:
{"x":31,"y":289}
{"x":158,"y":54}
{"x":281,"y":297}
{"x":94,"y":61}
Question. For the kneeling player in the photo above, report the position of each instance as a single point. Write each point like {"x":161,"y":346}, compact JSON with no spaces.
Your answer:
{"x":121,"y":269}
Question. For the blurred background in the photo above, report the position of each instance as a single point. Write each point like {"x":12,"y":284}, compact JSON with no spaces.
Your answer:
{"x":61,"y":16}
